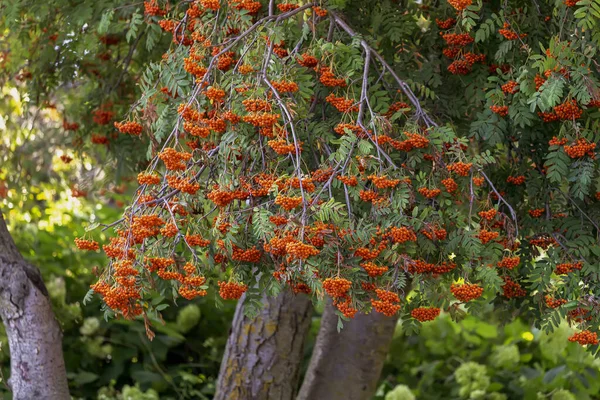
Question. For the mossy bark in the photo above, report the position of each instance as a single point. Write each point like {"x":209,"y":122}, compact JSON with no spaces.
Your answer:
{"x":263,"y":356}
{"x":347,"y":365}
{"x":34,"y":336}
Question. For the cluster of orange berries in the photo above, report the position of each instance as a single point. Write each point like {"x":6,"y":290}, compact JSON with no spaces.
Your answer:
{"x":554,"y":303}
{"x":445,"y":23}
{"x":342,"y":104}
{"x":345,"y":307}
{"x":422,"y":267}
{"x":301,"y":251}
{"x":348,"y":180}
{"x":569,"y":110}
{"x":536,"y":213}
{"x":510,"y":87}
{"x":148,"y":179}
{"x":169,"y":230}
{"x":340,"y":129}
{"x":261,"y":119}
{"x":285,"y":86}
{"x":231,"y":290}
{"x":337,"y":287}
{"x":196,"y":240}
{"x":174,"y":160}
{"x":580,"y":148}
{"x":288,"y":203}
{"x":509,"y":34}
{"x":320,"y":11}
{"x":151,"y":8}
{"x":373,"y":269}
{"x":435,"y":233}
{"x":256,"y":105}
{"x":424,"y":314}
{"x":211,"y":4}
{"x":460,"y":5}
{"x":282,"y":147}
{"x":99,"y":139}
{"x":571,"y":3}
{"x":182,"y":184}
{"x":307,"y":61}
{"x":84,"y":244}
{"x":500,"y":110}
{"x":383,"y":182}
{"x":129,"y":127}
{"x":460,"y":168}
{"x":285,"y":7}
{"x":516,"y":180}
{"x":388,"y":303}
{"x":557,"y":142}
{"x":251,"y":255}
{"x":328,"y":78}
{"x":70,"y":126}
{"x":485,"y":236}
{"x":489,"y":214}
{"x":429,"y":193}
{"x":457,"y":39}
{"x":543,"y":241}
{"x":584,"y":338}
{"x":450,"y":185}
{"x":102,"y":116}
{"x":509,"y":262}
{"x":565,"y":268}
{"x":512,"y":289}
{"x":466,"y":292}
{"x":215,"y":94}
{"x":401,"y":235}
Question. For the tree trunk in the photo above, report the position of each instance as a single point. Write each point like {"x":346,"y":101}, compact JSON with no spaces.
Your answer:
{"x":34,"y":336}
{"x":347,"y":365}
{"x":263,"y":355}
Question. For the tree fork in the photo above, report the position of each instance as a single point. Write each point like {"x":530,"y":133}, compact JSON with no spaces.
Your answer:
{"x":263,"y":355}
{"x":347,"y":365}
{"x":34,"y":336}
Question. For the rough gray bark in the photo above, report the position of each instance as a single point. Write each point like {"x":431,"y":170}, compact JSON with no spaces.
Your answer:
{"x":34,"y":336}
{"x":263,"y":355}
{"x":347,"y":365}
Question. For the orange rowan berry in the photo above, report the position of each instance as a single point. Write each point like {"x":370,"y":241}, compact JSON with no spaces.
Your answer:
{"x":551,"y":302}
{"x":174,"y":160}
{"x":288,"y":203}
{"x":512,"y":289}
{"x":485,"y":236}
{"x":584,"y":337}
{"x":536,"y":213}
{"x":300,"y":250}
{"x":336,"y":287}
{"x":321,"y":12}
{"x":510,"y":87}
{"x":500,"y":110}
{"x":373,"y":270}
{"x":384,"y":307}
{"x":460,"y":5}
{"x":450,"y":185}
{"x":466,"y":292}
{"x":148,"y":179}
{"x":429,"y":193}
{"x":346,"y":308}
{"x":348,"y":180}
{"x":307,"y":60}
{"x":129,"y":127}
{"x":581,"y":148}
{"x":84,"y":244}
{"x":423,"y":314}
{"x":446,"y":23}
{"x":231,"y":290}
{"x":516,"y":180}
{"x":565,"y":268}
{"x":509,"y":262}
{"x":401,"y":235}
{"x":196,"y":240}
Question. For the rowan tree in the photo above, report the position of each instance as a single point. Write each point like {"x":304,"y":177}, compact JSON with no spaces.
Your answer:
{"x":397,"y":158}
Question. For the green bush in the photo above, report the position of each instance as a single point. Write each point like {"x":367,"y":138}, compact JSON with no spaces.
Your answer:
{"x":475,"y":359}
